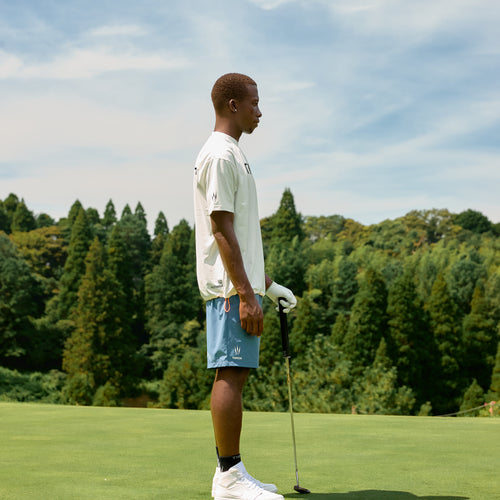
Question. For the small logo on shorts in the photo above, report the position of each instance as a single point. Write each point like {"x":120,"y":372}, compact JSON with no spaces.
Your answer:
{"x":237,"y":352}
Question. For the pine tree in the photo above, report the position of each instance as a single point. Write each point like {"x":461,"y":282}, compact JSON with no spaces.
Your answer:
{"x":443,"y":322}
{"x":4,"y":219}
{"x":20,"y":301}
{"x":23,"y":219}
{"x":324,"y":380}
{"x":44,"y":220}
{"x":73,"y":212}
{"x":368,"y":321}
{"x":172,"y":296}
{"x":161,"y":232}
{"x":129,"y":249}
{"x":140,"y":213}
{"x":464,"y":275}
{"x":307,"y":323}
{"x":74,"y":267}
{"x":378,"y":391}
{"x":286,"y":264}
{"x":126,"y":211}
{"x":270,"y":342}
{"x":345,"y":288}
{"x":494,"y":393}
{"x":99,"y":352}
{"x":473,"y":397}
{"x":287,"y":222}
{"x":479,"y":339}
{"x":109,"y":217}
{"x":411,"y":344}
{"x":339,"y":330}
{"x":9,"y":208}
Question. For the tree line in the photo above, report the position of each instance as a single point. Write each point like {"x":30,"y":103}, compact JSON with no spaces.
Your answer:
{"x":400,"y":317}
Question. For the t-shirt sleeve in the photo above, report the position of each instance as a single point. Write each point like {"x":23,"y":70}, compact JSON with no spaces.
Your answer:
{"x":221,"y":182}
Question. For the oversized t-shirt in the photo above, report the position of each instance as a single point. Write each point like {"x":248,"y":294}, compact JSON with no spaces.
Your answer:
{"x":223,"y":181}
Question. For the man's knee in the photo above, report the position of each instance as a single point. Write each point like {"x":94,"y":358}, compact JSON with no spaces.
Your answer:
{"x":233,"y":375}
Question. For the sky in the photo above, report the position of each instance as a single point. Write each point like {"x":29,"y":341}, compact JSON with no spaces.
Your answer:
{"x":371,"y":108}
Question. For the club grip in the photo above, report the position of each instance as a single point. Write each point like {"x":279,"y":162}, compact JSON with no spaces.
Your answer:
{"x":285,"y":342}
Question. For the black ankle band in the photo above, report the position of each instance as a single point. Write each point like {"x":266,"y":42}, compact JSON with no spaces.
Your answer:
{"x":227,"y":462}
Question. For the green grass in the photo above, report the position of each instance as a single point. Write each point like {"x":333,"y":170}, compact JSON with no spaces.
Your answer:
{"x":63,"y":452}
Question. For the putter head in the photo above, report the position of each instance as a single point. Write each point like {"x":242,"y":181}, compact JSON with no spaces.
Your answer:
{"x":301,"y":490}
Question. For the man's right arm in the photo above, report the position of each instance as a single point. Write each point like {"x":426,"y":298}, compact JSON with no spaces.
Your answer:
{"x":251,"y":315}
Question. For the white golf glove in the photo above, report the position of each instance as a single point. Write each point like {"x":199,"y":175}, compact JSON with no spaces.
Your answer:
{"x":288,"y":300}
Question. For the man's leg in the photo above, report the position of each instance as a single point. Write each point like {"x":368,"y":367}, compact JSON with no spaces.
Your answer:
{"x":227,"y":408}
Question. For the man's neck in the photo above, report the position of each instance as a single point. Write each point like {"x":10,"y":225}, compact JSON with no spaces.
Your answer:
{"x":227,"y":127}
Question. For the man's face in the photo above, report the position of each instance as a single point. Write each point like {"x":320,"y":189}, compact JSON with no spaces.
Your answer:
{"x":248,"y":113}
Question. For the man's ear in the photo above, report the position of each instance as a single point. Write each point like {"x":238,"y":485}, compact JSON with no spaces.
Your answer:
{"x":233,"y":107}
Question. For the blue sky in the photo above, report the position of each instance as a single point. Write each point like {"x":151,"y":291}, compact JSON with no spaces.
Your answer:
{"x":371,"y":108}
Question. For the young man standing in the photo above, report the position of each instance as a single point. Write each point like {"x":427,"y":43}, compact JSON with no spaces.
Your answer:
{"x":231,"y":276}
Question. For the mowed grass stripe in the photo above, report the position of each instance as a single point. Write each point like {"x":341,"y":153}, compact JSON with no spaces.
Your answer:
{"x":64,"y":452}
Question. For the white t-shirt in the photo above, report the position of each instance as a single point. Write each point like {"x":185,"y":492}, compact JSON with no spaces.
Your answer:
{"x":223,"y":181}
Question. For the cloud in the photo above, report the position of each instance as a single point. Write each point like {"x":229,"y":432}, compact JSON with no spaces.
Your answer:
{"x":87,"y":63}
{"x":118,"y":30}
{"x":270,"y":4}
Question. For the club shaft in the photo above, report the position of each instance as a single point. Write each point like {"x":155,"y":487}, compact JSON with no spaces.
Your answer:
{"x":289,"y":381}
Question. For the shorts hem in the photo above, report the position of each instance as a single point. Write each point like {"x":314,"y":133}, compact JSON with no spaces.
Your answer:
{"x":230,"y":364}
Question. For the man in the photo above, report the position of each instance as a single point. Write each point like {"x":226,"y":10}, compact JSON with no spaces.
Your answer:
{"x":231,"y":276}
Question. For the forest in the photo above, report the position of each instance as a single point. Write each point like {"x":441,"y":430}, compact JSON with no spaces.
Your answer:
{"x":400,"y":317}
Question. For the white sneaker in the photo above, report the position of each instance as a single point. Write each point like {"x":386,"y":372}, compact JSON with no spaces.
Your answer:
{"x":265,"y":486}
{"x":235,"y":484}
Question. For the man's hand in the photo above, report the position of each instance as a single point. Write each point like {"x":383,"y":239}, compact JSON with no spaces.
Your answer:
{"x":251,"y":316}
{"x":276,"y":292}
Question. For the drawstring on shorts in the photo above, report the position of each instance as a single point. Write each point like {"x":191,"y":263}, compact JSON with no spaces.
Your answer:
{"x":227,"y":305}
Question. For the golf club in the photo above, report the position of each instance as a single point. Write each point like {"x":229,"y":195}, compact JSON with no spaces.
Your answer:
{"x":285,"y":342}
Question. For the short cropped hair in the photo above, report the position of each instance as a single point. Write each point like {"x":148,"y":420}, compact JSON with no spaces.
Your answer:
{"x":230,"y":86}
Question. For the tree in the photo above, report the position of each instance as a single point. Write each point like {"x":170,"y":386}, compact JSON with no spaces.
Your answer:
{"x":4,"y":219}
{"x":479,"y":339}
{"x":44,"y":220}
{"x":286,"y":264}
{"x":473,"y":397}
{"x":43,"y":249}
{"x":186,"y":382}
{"x":23,"y":219}
{"x":74,"y":267}
{"x":287,"y":222}
{"x":494,"y":393}
{"x":324,"y":381}
{"x":411,"y":345}
{"x":473,"y":221}
{"x":161,"y":232}
{"x":464,"y":275}
{"x":378,"y":392}
{"x":284,"y":225}
{"x":368,"y":321}
{"x":20,"y":303}
{"x":307,"y":323}
{"x":109,"y":217}
{"x":99,"y":353}
{"x":318,"y":228}
{"x":445,"y":328}
{"x":345,"y":288}
{"x":140,"y":213}
{"x":126,"y":211}
{"x":9,"y":207}
{"x":129,"y":249}
{"x":172,"y":295}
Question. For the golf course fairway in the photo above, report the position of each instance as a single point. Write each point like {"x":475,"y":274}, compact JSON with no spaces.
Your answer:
{"x":74,"y":452}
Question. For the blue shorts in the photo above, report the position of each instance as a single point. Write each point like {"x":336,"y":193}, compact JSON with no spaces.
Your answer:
{"x":227,"y":343}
